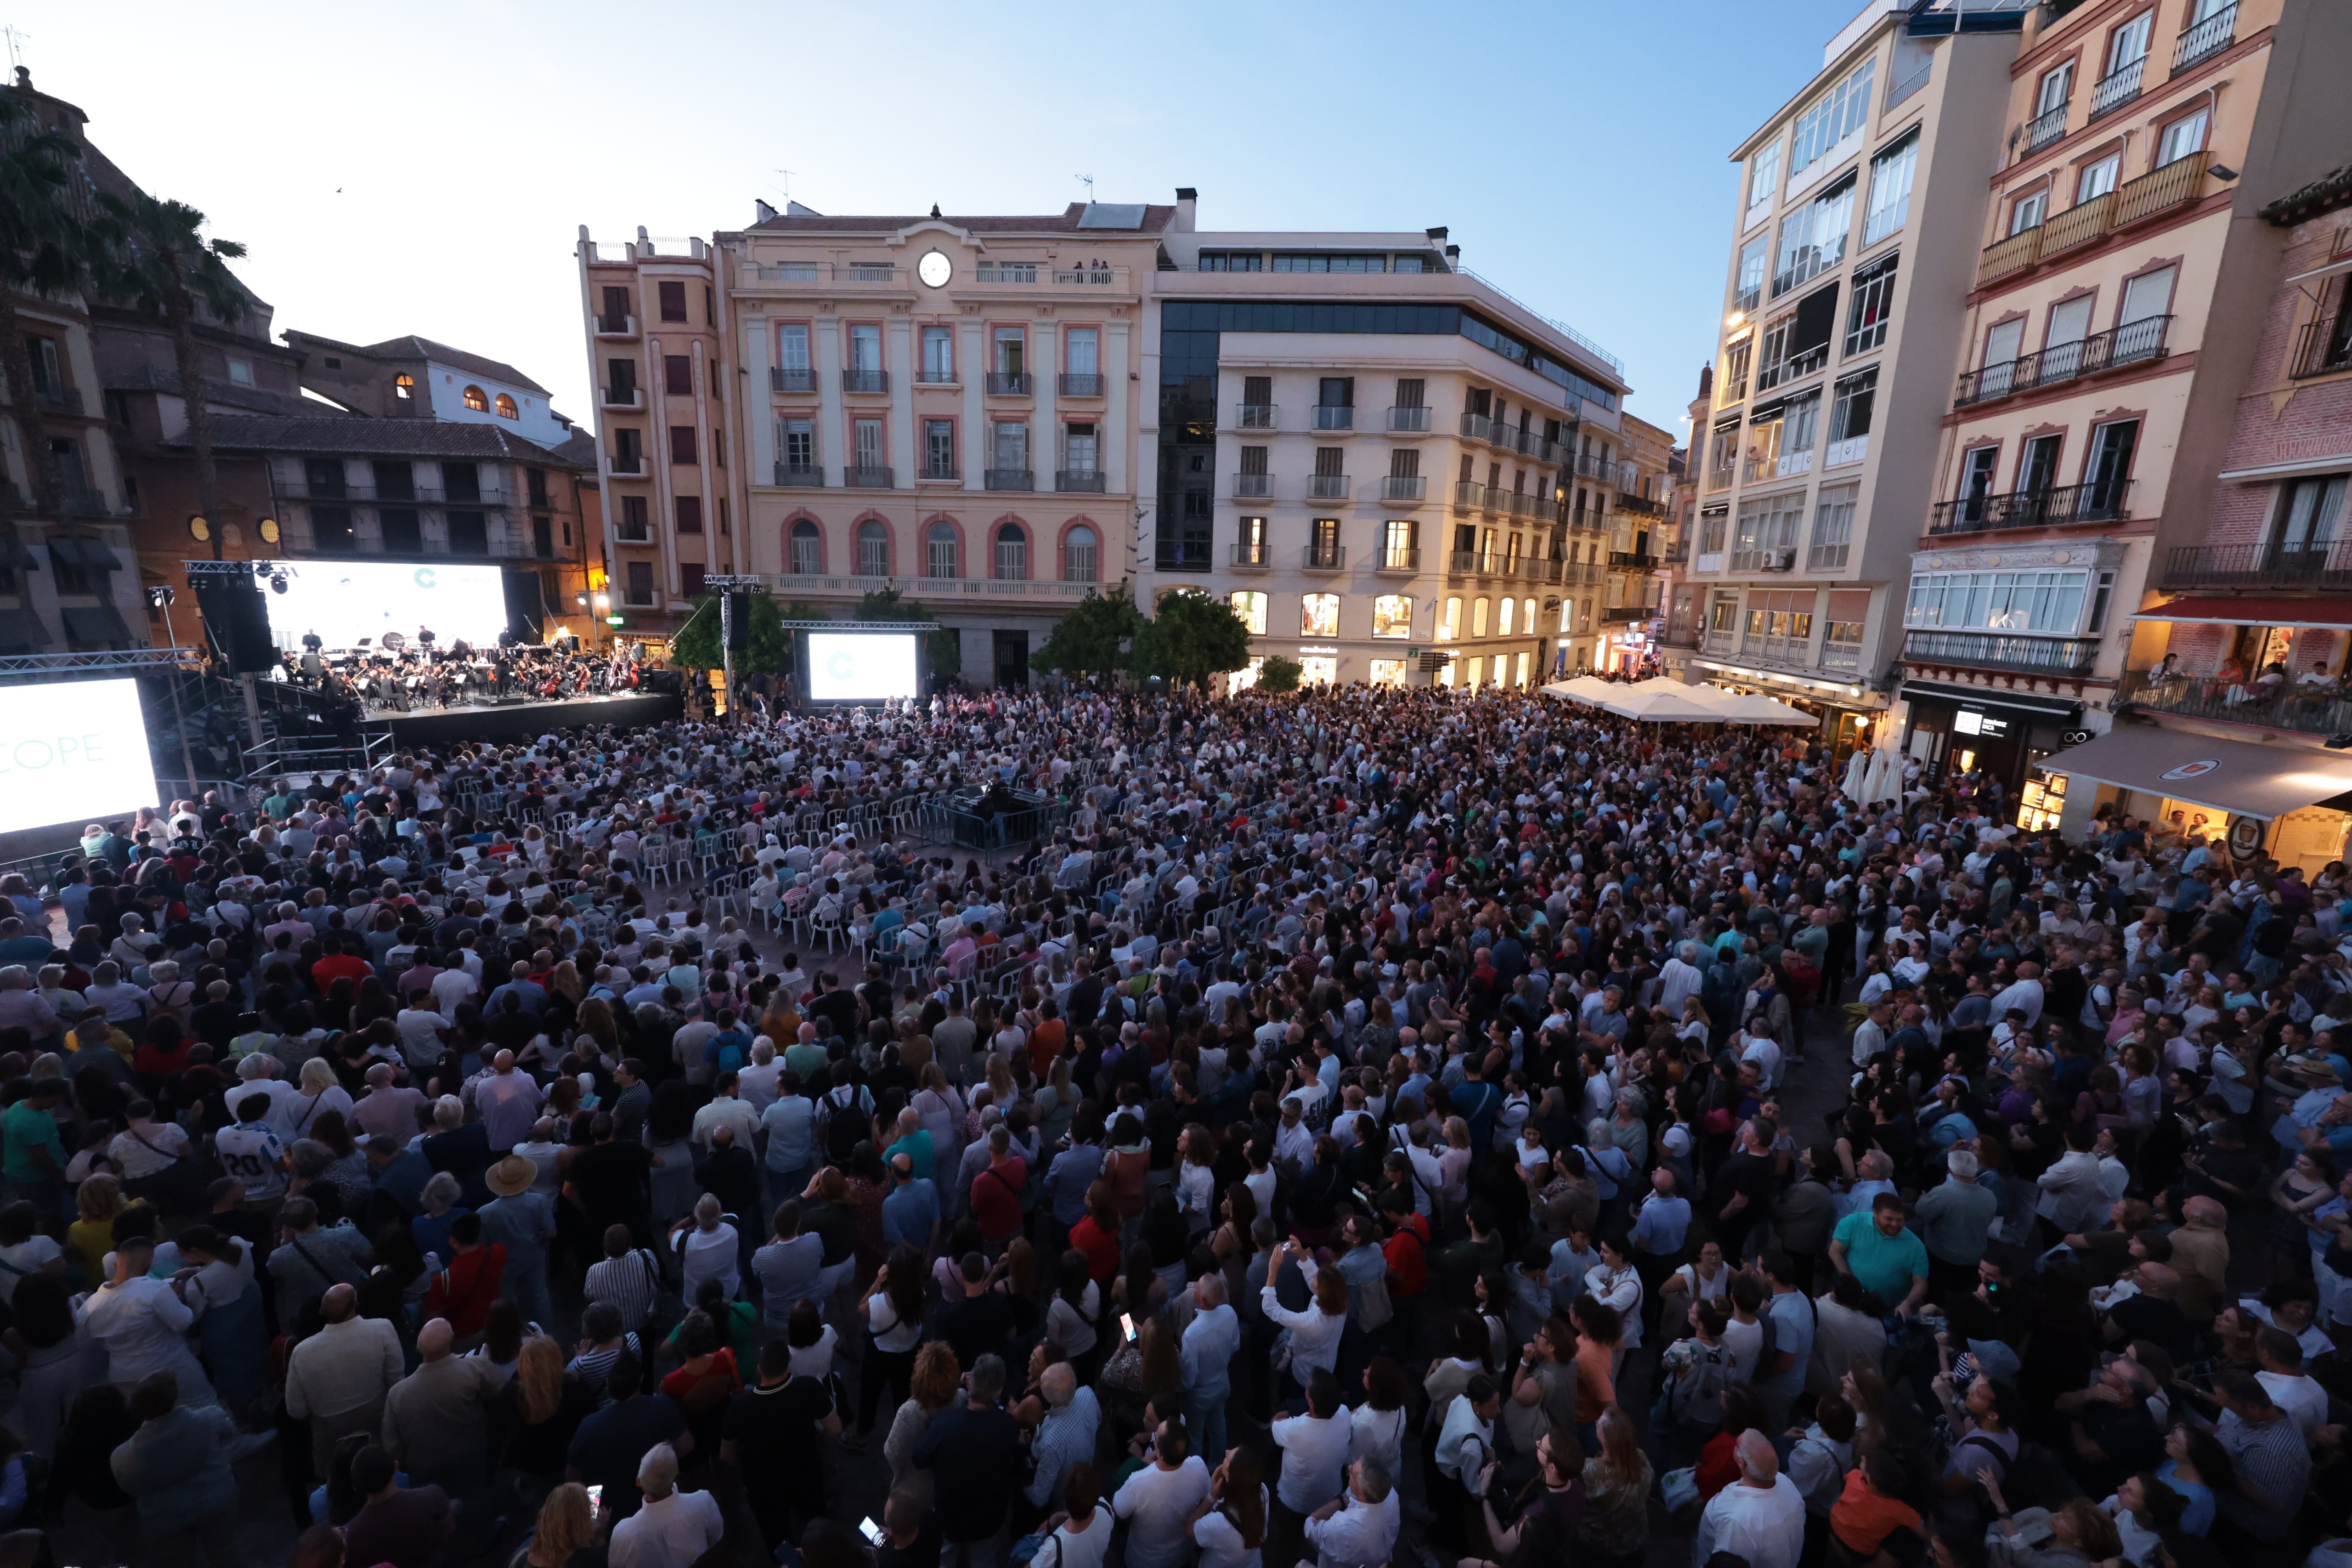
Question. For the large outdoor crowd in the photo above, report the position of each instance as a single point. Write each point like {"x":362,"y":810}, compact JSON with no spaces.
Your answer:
{"x":1363,"y":1128}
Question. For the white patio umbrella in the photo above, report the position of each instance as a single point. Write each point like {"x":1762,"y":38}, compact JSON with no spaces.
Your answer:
{"x":1589,"y":690}
{"x":1884,"y":780}
{"x":1857,"y":777}
{"x":1661,"y":706}
{"x":1757,"y":708}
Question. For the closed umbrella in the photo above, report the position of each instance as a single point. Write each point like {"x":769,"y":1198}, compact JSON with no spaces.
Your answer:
{"x":1857,"y":777}
{"x":1885,"y":779}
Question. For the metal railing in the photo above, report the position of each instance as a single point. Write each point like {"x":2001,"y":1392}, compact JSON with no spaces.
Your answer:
{"x":65,"y":398}
{"x":2308,"y":710}
{"x":1900,"y":91}
{"x":800,"y":476}
{"x":1253,"y":486}
{"x":1562,"y":328}
{"x":1323,"y":558}
{"x":800,"y":378}
{"x":1470,"y":561}
{"x":622,"y":397}
{"x":1252,"y":555}
{"x":1079,"y":481}
{"x":1628,"y":612}
{"x":1633,"y":561}
{"x":1079,"y":384}
{"x":616,"y":326}
{"x":2210,"y":37}
{"x":1627,"y":501}
{"x":2170,"y":186}
{"x":2134,"y":342}
{"x":1329,"y":417}
{"x":864,"y":381}
{"x":1397,"y":560}
{"x":627,"y":462}
{"x":2325,"y":564}
{"x":1011,"y":383}
{"x":1802,"y":364}
{"x":940,"y":588}
{"x":1469,"y":495}
{"x":1254,"y":416}
{"x":2043,"y":130}
{"x":1409,"y":418}
{"x":1097,"y":276}
{"x":2117,"y":88}
{"x":1008,"y":478}
{"x":1403,"y":486}
{"x":2106,"y":501}
{"x":935,"y":378}
{"x":2003,"y":650}
{"x":2322,"y":347}
{"x":1326,"y":487}
{"x":945,"y":471}
{"x":866,"y":477}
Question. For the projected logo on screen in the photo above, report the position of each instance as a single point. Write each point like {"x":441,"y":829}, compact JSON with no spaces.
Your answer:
{"x":368,"y":599}
{"x":75,"y":752}
{"x":872,"y":666}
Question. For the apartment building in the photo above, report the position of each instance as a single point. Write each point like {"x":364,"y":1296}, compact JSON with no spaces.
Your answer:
{"x":1393,"y":470}
{"x":1859,"y":203}
{"x":2111,"y":325}
{"x":417,"y":378}
{"x":947,"y":406}
{"x":1639,"y":525}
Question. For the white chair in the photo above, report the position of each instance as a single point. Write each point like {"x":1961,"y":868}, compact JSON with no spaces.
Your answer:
{"x":828,"y":925}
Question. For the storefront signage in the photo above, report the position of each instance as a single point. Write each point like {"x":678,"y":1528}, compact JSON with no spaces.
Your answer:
{"x":2187,"y":770}
{"x":2074,"y":737}
{"x":1304,"y":648}
{"x":1972,"y":721}
{"x":2246,"y":837}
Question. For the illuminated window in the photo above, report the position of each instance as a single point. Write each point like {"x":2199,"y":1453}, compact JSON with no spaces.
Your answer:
{"x":1251,"y":608}
{"x":1526,"y":615}
{"x":1318,"y":615}
{"x":1477,"y":620}
{"x":1508,"y":614}
{"x":404,"y":386}
{"x":476,"y":400}
{"x":1393,"y":615}
{"x":1450,"y":625}
{"x":1477,"y":672}
{"x":1321,"y":669}
{"x":1246,"y":677}
{"x":506,"y":409}
{"x":1388,"y":672}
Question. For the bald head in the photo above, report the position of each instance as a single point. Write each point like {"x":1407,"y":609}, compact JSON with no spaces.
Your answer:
{"x":2205,"y":1214}
{"x":1060,"y":1384}
{"x":339,"y":1304}
{"x":433,"y":1339}
{"x":657,"y":1472}
{"x":1758,"y":1463}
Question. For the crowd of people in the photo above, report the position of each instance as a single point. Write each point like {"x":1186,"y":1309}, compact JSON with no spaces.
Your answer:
{"x":405,"y":676}
{"x":1369,"y":1127}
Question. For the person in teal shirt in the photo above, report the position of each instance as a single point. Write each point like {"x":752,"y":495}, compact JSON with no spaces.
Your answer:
{"x":35,"y":1163}
{"x":1875,"y":1248}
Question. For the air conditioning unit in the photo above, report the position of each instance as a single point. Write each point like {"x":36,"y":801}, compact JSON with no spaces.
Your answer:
{"x":1779,"y":559}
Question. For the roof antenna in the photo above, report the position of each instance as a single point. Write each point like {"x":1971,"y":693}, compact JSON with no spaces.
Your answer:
{"x":17,"y":37}
{"x":786,"y":188}
{"x":1087,"y":181}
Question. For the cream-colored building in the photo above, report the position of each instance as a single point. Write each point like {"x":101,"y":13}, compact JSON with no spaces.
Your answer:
{"x":1393,"y":470}
{"x":1639,"y":526}
{"x":1857,"y":222}
{"x":2118,"y":288}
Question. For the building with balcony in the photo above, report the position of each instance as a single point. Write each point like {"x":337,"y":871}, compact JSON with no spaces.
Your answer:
{"x":1859,"y":203}
{"x":947,"y":406}
{"x":2244,"y":656}
{"x":1640,"y":525}
{"x":1393,"y":470}
{"x":2111,"y":323}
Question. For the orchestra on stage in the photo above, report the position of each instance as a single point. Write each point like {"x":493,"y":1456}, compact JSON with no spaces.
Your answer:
{"x":400,"y":674}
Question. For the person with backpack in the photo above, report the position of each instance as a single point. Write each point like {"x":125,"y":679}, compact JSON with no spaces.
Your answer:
{"x":1693,"y":1372}
{"x":1985,"y":1450}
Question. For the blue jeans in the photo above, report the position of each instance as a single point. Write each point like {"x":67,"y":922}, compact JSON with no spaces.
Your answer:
{"x":1204,"y":1420}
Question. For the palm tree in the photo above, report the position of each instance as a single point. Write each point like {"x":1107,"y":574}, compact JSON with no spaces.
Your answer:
{"x":160,"y":263}
{"x":44,"y":251}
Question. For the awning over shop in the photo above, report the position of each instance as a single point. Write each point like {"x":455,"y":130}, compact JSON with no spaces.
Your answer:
{"x":2235,"y":776}
{"x":2334,"y":610}
{"x":2053,"y":708}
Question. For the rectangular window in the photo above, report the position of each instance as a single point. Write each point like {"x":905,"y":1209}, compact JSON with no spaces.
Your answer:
{"x":2182,"y":137}
{"x":2106,"y":477}
{"x":616,"y":308}
{"x":1874,"y":301}
{"x":683,"y":449}
{"x":1410,"y":390}
{"x":1319,"y":615}
{"x":939,"y":552}
{"x":2127,"y":45}
{"x":1890,"y":189}
{"x":621,"y":381}
{"x":2052,"y":92}
{"x":2146,"y":297}
{"x":1478,"y":617}
{"x":1324,"y":263}
{"x":1824,"y":128}
{"x":635,"y":526}
{"x":1336,"y":392}
{"x":865,"y":348}
{"x":1734,"y":371}
{"x":1330,"y":462}
{"x":1393,"y":615}
{"x":1010,"y":346}
{"x":1747,"y":288}
{"x":1081,"y":452}
{"x":1390,"y":672}
{"x":689,"y":578}
{"x":807,"y":550}
{"x":2097,"y":179}
{"x":865,"y":439}
{"x":1763,"y":182}
{"x":1833,"y":528}
{"x":689,"y":514}
{"x":640,"y":582}
{"x":1801,"y":432}
{"x":2309,"y":511}
{"x":793,"y":346}
{"x":938,"y":450}
{"x":1449,"y":624}
{"x":796,"y":440}
{"x":673,"y":301}
{"x":939,"y":353}
{"x":2028,"y":211}
{"x":1813,"y":238}
{"x":677,"y":375}
{"x":1250,"y":605}
{"x":1083,"y":348}
{"x":1404,"y":463}
{"x":874,"y":550}
{"x":1253,"y":461}
{"x":1009,"y":445}
{"x":1231,"y":261}
{"x":1850,"y":411}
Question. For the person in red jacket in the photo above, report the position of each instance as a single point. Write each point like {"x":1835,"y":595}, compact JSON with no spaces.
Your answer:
{"x":463,"y":1292}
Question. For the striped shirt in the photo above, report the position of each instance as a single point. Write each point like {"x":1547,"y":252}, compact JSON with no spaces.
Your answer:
{"x":630,"y":1282}
{"x":2270,"y":1459}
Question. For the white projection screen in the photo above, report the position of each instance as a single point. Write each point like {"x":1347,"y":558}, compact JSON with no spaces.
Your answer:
{"x":72,"y":752}
{"x":344,"y":601}
{"x":867,"y":667}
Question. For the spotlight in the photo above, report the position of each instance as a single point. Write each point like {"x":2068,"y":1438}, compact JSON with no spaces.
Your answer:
{"x":278,"y":582}
{"x":161,"y":595}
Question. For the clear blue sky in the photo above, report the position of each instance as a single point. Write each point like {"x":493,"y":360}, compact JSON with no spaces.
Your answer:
{"x":424,"y":168}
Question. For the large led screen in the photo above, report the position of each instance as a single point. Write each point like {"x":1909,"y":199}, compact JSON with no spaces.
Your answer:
{"x":72,"y":752}
{"x":869,"y":667}
{"x":344,"y":601}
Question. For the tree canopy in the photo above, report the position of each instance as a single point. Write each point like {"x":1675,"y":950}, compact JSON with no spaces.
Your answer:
{"x":1279,"y":674}
{"x":698,"y":645}
{"x":1190,"y":637}
{"x":1087,"y":640}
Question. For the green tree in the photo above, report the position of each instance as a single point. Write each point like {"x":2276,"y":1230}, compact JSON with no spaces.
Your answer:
{"x":944,"y":648}
{"x":1279,"y":674}
{"x":1190,"y":637}
{"x":698,"y":643}
{"x":45,"y":249}
{"x":1086,"y":640}
{"x":159,"y":264}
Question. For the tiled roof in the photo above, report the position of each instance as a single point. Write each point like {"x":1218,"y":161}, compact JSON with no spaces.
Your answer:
{"x":1156,"y":217}
{"x":328,"y":434}
{"x":416,"y":348}
{"x":261,"y":400}
{"x":2324,"y":195}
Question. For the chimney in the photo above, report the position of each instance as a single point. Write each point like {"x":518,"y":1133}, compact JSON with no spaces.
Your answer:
{"x":1706,"y":382}
{"x":1454,"y":258}
{"x":1437,"y":234}
{"x":1187,"y":201}
{"x":760,"y":211}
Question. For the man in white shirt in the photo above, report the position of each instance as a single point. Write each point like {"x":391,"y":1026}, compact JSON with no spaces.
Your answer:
{"x":1761,"y":1517}
{"x":1206,"y":1355}
{"x":1158,"y":1501}
{"x":1680,"y":979}
{"x":2282,"y":1374}
{"x":1358,"y":1530}
{"x":1465,"y":1444}
{"x":671,"y":1529}
{"x":1314,"y":1458}
{"x":726,"y":1111}
{"x":2024,"y":993}
{"x":758,"y":1083}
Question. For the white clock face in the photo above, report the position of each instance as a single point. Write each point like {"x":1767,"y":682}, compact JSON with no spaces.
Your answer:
{"x":935,"y":268}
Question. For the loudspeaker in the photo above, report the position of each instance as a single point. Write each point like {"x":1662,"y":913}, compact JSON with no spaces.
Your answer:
{"x":525,"y":610}
{"x":739,"y":620}
{"x":238,"y":621}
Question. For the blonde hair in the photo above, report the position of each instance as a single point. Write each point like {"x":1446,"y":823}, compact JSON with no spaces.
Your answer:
{"x":539,"y":1378}
{"x":318,"y":1074}
{"x":566,"y":1523}
{"x":99,"y":1197}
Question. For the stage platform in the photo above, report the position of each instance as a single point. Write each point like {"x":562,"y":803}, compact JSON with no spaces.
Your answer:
{"x":507,"y":721}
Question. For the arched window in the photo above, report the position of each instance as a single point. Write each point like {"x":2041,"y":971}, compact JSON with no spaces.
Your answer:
{"x":1011,"y":564}
{"x":873,"y":549}
{"x":1080,"y":557}
{"x":1510,"y":613}
{"x":476,"y":400}
{"x":807,"y":550}
{"x":404,"y":386}
{"x":939,"y":552}
{"x":506,"y":409}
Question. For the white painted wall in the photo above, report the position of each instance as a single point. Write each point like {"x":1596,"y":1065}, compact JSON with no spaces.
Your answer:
{"x":534,"y":421}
